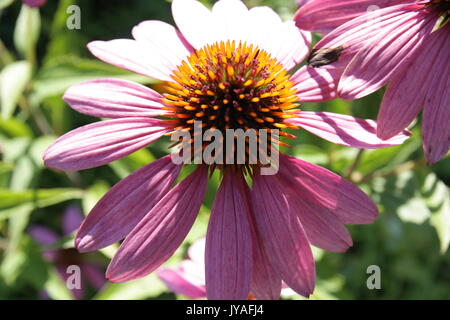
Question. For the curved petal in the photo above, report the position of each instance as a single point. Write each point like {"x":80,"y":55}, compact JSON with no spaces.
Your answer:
{"x":228,"y":242}
{"x":177,"y":282}
{"x":436,"y":114}
{"x":345,"y":130}
{"x":325,"y":231}
{"x":391,"y":51}
{"x":122,"y":207}
{"x":99,"y":143}
{"x":326,"y":193}
{"x":133,"y":56}
{"x":326,"y":15}
{"x":114,"y":98}
{"x":282,"y":235}
{"x":161,"y":231}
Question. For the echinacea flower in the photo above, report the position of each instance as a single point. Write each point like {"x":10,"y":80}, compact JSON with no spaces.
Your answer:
{"x":405,"y":45}
{"x":224,"y":73}
{"x":63,"y":258}
{"x":188,"y":279}
{"x":34,"y":3}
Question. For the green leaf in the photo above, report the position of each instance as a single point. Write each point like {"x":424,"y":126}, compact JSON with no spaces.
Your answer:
{"x":5,"y":3}
{"x":12,"y":202}
{"x":58,"y":75}
{"x":437,"y":195}
{"x":94,"y":194}
{"x":26,"y":33}
{"x":56,"y":287}
{"x":13,"y":80}
{"x":144,"y":288}
{"x":15,"y":128}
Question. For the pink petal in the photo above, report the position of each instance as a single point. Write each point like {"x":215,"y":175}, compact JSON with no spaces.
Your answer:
{"x":282,"y":235}
{"x":72,"y":219}
{"x":99,"y":143}
{"x":121,"y":209}
{"x":196,"y":251}
{"x":161,"y":231}
{"x":326,"y":193}
{"x":283,"y":40}
{"x":133,"y":56}
{"x":228,"y":242}
{"x":114,"y":98}
{"x":407,"y":91}
{"x":194,"y":21}
{"x":345,"y":130}
{"x":316,"y":84}
{"x":326,"y":15}
{"x":163,"y":38}
{"x":177,"y":283}
{"x":325,"y":231}
{"x":266,"y":282}
{"x":392,"y":50}
{"x":231,"y":20}
{"x":436,"y":115}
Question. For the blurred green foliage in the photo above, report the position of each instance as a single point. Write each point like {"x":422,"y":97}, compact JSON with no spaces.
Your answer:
{"x":40,"y":58}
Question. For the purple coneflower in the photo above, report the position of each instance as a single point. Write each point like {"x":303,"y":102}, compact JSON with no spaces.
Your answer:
{"x":225,"y":73}
{"x":63,"y":258}
{"x":405,"y":45}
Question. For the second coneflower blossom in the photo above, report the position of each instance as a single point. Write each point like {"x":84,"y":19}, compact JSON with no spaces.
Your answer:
{"x":405,"y":45}
{"x":222,"y":73}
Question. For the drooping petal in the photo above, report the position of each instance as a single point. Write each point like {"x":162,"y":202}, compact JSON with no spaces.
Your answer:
{"x":282,"y":235}
{"x":391,"y":51}
{"x":122,"y":207}
{"x":436,"y":115}
{"x":102,"y":142}
{"x":228,"y":242}
{"x":326,"y":15}
{"x":177,"y":282}
{"x":72,"y":219}
{"x":326,"y":193}
{"x":407,"y":91}
{"x":133,"y":56}
{"x":346,"y":130}
{"x":266,"y":282}
{"x":325,"y":231}
{"x":114,"y":98}
{"x":161,"y":231}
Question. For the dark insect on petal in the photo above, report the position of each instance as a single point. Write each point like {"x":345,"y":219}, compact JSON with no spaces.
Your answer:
{"x":325,"y":56}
